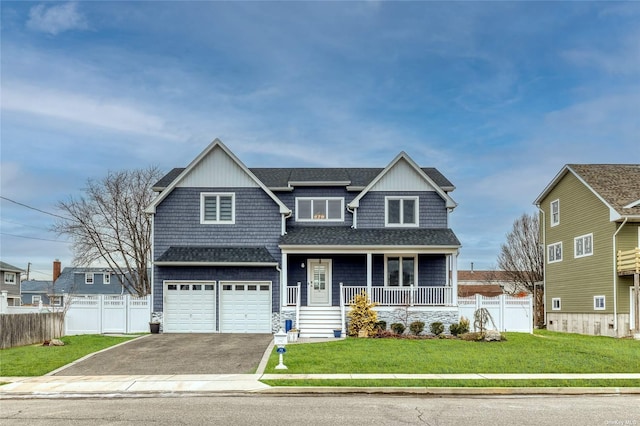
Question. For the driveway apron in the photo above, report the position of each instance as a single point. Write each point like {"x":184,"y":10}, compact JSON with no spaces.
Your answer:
{"x":160,"y":354}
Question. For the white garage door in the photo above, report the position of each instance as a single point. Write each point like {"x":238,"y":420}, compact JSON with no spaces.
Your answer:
{"x":189,"y":307}
{"x":245,"y":307}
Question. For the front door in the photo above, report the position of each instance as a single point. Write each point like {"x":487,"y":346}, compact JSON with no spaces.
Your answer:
{"x":319,"y":282}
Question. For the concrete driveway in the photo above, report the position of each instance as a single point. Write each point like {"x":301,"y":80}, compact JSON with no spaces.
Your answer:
{"x":159,"y":354}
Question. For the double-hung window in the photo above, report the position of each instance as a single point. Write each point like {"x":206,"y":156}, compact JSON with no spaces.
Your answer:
{"x":554,"y":252}
{"x":330,"y":209}
{"x":106,"y":278}
{"x":555,"y":212}
{"x":9,"y":277}
{"x":217,"y":208}
{"x":583,"y":245}
{"x":400,"y":271}
{"x":401,"y":211}
{"x":88,"y":278}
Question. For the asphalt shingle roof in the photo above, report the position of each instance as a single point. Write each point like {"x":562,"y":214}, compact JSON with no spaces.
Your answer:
{"x":618,"y":184}
{"x":217,"y":254}
{"x":10,"y":268}
{"x":344,"y":236}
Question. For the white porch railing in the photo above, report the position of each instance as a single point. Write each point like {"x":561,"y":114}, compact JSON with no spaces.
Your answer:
{"x":402,"y":296}
{"x":292,"y":294}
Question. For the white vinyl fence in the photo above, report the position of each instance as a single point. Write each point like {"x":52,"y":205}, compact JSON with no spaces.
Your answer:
{"x":509,"y":313}
{"x":107,"y":314}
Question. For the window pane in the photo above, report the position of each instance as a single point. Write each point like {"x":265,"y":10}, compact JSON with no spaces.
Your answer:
{"x":393,"y":211}
{"x":226,"y":208}
{"x":335,"y":209}
{"x":558,"y":252}
{"x":304,"y":209}
{"x":579,"y":251}
{"x":409,"y":212}
{"x":407,"y":272}
{"x":319,"y":209}
{"x":210,"y":208}
{"x":393,"y":271}
{"x":587,"y":245}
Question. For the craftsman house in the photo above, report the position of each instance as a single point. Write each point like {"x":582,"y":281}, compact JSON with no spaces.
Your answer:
{"x":238,"y":249}
{"x":590,"y":227}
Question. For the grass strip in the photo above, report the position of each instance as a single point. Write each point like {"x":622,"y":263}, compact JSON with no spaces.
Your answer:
{"x":37,"y":360}
{"x":471,"y":383}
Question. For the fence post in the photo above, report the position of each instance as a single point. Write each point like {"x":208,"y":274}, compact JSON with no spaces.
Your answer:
{"x":503,"y":301}
{"x":4,"y":304}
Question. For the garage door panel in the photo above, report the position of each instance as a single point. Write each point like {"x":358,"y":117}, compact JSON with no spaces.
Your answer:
{"x":245,"y":307}
{"x":190,"y":307}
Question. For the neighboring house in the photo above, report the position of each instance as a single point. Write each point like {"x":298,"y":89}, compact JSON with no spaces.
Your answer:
{"x":36,"y":291}
{"x":589,"y":212}
{"x":485,"y":282}
{"x":10,"y":282}
{"x":238,"y":249}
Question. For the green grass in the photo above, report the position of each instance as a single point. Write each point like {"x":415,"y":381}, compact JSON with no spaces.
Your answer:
{"x":472,"y":383}
{"x":36,"y":360}
{"x":544,"y":352}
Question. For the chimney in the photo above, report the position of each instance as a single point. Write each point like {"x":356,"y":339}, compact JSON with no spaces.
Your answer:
{"x":57,"y":266}
{"x":472,"y":267}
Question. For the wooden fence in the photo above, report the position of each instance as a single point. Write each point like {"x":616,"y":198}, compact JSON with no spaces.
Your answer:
{"x":28,"y":329}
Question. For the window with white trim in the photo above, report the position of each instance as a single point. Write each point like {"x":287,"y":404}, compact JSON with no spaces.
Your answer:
{"x":401,"y":211}
{"x":583,"y":245}
{"x":329,"y":209}
{"x":555,"y":213}
{"x":554,"y":252}
{"x":217,"y":208}
{"x":555,"y":304}
{"x":35,"y":299}
{"x":598,"y":303}
{"x":88,"y":278}
{"x":106,"y":278}
{"x":400,"y":271}
{"x":10,"y":278}
{"x":56,"y":300}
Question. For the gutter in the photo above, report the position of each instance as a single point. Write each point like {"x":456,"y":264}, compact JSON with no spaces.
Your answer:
{"x":615,"y":277}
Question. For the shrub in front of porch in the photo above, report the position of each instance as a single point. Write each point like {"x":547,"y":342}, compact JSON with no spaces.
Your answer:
{"x":362,"y":317}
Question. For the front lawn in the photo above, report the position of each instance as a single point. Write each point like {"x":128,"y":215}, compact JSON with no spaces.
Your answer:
{"x":36,"y":360}
{"x":543,"y":352}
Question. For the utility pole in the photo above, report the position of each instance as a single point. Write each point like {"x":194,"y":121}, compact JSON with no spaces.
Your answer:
{"x":28,"y":269}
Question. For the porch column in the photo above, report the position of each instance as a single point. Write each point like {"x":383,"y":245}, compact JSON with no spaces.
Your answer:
{"x":283,"y":280}
{"x":369,"y":274}
{"x":454,"y":279}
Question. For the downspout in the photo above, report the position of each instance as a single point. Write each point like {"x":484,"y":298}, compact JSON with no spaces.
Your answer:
{"x":354,"y":212}
{"x":283,"y":225}
{"x":615,"y":278}
{"x":544,"y":266}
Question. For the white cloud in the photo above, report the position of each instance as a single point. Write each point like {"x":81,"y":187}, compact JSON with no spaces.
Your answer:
{"x":115,"y":114}
{"x":56,"y":19}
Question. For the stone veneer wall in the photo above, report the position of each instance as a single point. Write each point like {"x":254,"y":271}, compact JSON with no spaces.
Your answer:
{"x":278,"y":319}
{"x":591,"y":324}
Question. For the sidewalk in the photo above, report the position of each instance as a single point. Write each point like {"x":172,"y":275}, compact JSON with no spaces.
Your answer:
{"x":121,"y":386}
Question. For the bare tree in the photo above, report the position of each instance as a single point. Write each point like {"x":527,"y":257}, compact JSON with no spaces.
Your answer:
{"x":522,"y":259}
{"x":108,"y":224}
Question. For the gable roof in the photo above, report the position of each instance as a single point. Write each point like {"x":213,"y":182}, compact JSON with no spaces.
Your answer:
{"x":404,"y":157}
{"x":616,"y":185}
{"x":9,"y":268}
{"x":181,"y":174}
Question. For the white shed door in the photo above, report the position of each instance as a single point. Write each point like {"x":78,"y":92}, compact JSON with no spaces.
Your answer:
{"x":189,"y":307}
{"x":245,"y":307}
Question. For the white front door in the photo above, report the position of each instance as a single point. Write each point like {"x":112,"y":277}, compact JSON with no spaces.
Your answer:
{"x":319,"y":282}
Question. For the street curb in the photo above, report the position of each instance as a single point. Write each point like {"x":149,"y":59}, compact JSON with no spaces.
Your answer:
{"x":445,"y":391}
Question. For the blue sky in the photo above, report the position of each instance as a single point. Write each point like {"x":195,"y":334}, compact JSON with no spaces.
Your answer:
{"x":497,"y":96}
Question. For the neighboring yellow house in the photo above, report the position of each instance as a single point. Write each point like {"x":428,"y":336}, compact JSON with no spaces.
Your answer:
{"x":588,"y":213}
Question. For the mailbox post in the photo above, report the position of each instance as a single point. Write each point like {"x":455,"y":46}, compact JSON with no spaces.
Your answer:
{"x":280,"y":340}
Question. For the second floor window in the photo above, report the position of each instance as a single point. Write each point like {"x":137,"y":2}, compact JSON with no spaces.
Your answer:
{"x":401,"y":211}
{"x":320,"y":209}
{"x":583,"y":246}
{"x":88,"y":278}
{"x":555,"y":212}
{"x":106,"y":278}
{"x":554,"y":253}
{"x":9,"y":277}
{"x":217,"y":208}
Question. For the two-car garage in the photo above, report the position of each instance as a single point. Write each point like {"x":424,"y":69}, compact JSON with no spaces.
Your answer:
{"x":210,"y":306}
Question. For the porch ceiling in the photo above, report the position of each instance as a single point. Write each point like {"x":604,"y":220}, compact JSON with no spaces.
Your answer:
{"x":349,"y":237}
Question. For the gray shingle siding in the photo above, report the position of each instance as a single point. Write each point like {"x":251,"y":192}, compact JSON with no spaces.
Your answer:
{"x":432,"y":209}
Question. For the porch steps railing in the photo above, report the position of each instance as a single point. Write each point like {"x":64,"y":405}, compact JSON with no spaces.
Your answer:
{"x":319,"y":321}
